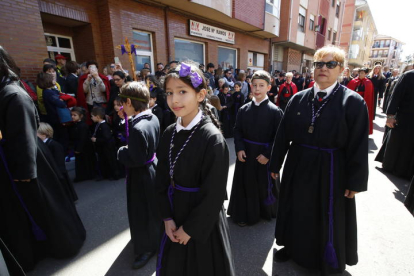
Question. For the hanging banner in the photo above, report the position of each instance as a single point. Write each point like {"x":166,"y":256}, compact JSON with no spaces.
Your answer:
{"x":207,"y":31}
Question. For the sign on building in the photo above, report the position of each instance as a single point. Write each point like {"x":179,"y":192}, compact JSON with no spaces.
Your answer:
{"x":207,"y":31}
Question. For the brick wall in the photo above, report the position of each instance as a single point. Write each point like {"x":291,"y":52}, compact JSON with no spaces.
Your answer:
{"x":21,"y":34}
{"x":294,"y":59}
{"x":252,"y":12}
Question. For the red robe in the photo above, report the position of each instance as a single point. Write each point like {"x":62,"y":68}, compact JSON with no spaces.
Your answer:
{"x":80,"y":96}
{"x":311,"y":84}
{"x":292,"y":88}
{"x":367,"y":94}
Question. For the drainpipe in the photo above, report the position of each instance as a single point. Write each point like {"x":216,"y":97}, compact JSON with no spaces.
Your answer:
{"x":167,"y":35}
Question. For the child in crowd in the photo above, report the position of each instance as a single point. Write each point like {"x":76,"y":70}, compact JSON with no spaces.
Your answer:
{"x":191,"y":182}
{"x":45,"y":133}
{"x":156,"y":109}
{"x":82,"y":146}
{"x":249,"y":98}
{"x":118,"y":124}
{"x":226,"y":115}
{"x":139,"y":157}
{"x":104,"y":146}
{"x":238,"y":98}
{"x":253,"y":191}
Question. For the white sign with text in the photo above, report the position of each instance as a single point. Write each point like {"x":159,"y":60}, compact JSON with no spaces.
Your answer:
{"x":211,"y":32}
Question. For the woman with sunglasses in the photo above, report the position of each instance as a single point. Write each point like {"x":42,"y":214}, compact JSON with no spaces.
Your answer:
{"x":324,"y":133}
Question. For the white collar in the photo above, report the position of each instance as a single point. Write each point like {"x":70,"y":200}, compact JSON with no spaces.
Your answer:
{"x":146,"y":112}
{"x":264,"y":99}
{"x":328,"y":90}
{"x":75,"y":75}
{"x":153,"y":106}
{"x":197,"y":118}
{"x":44,"y":141}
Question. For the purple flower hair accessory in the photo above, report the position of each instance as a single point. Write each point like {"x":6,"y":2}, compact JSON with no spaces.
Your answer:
{"x":185,"y":70}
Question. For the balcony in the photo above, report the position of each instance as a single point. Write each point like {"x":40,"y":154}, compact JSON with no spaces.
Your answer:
{"x":320,"y":40}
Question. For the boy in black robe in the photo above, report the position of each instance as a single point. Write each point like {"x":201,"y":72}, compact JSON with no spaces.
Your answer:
{"x":324,"y":132}
{"x":253,"y":191}
{"x":226,"y":116}
{"x":139,"y":158}
{"x":104,"y":145}
{"x":156,"y":109}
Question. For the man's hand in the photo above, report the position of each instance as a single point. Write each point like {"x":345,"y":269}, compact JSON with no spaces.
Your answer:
{"x":391,"y":122}
{"x":89,"y":77}
{"x":170,"y":227}
{"x":93,"y":139}
{"x":262,"y":159}
{"x":350,"y":194}
{"x":275,"y":176}
{"x":241,"y":155}
{"x":182,"y":236}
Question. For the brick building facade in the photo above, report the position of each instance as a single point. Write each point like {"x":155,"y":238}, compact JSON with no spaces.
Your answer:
{"x":33,"y":30}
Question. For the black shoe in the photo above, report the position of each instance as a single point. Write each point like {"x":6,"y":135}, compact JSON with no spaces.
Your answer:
{"x":142,"y":260}
{"x":281,"y":256}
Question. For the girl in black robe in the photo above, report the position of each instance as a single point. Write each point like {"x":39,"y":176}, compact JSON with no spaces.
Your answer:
{"x":138,"y":156}
{"x":378,"y":81}
{"x":226,"y":115}
{"x":254,"y":133}
{"x":83,"y":146}
{"x":191,"y":183}
{"x":50,"y":223}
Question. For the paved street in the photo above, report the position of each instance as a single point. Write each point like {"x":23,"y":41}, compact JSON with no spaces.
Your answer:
{"x":386,"y":231}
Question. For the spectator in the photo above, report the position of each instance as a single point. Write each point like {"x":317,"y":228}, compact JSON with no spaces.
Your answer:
{"x":210,"y":75}
{"x":72,"y":78}
{"x":228,"y":76}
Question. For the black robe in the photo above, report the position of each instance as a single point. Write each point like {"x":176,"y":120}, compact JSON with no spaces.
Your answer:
{"x":143,"y":216}
{"x":379,"y":87}
{"x":302,"y":220}
{"x":44,"y":196}
{"x":409,"y":199}
{"x":203,"y":164}
{"x":59,"y":159}
{"x":388,"y":91}
{"x":84,"y":155}
{"x":272,"y":93}
{"x":106,"y":151}
{"x":251,"y":179}
{"x":157,"y":111}
{"x":398,"y":147}
{"x":226,"y":114}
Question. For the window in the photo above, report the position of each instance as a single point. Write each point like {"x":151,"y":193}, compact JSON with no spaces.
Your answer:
{"x":329,"y":33}
{"x":334,"y":38}
{"x":311,"y":22}
{"x":302,"y":19}
{"x":143,"y":44}
{"x":387,"y":43}
{"x":337,"y":9}
{"x":382,"y":44}
{"x":57,"y":44}
{"x":255,"y":60}
{"x":333,"y":3}
{"x":189,"y":50}
{"x":273,"y":7}
{"x":226,"y":57}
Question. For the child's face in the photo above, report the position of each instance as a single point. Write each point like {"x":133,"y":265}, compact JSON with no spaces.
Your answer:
{"x":95,"y":119}
{"x":226,"y":90}
{"x":248,"y":80}
{"x":183,"y":99}
{"x":149,"y":83}
{"x":75,"y":117}
{"x":260,"y":88}
{"x":41,"y":136}
{"x":236,"y":88}
{"x":152,"y":102}
{"x":117,"y":106}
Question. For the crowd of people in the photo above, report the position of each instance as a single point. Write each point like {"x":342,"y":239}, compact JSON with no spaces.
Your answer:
{"x":166,"y":134}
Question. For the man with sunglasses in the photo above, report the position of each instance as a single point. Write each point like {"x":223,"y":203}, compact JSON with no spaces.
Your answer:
{"x":324,"y":133}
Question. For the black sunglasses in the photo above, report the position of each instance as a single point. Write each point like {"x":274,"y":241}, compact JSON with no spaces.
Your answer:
{"x":330,"y":64}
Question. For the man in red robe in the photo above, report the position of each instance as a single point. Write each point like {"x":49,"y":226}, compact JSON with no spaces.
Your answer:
{"x":363,"y":86}
{"x":286,"y":91}
{"x":81,"y":97}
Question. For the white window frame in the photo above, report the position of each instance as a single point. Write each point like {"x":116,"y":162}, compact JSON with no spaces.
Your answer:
{"x":193,"y":41}
{"x":62,"y":50}
{"x":276,"y":7}
{"x":146,"y":53}
{"x":311,"y":19}
{"x":234,"y":49}
{"x":302,"y":12}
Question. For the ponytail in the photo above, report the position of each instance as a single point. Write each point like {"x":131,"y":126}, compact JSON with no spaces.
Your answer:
{"x":207,"y":111}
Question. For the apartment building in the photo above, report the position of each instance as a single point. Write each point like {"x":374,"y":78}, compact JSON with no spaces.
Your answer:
{"x":387,"y":51}
{"x":224,"y":32}
{"x":305,"y":26}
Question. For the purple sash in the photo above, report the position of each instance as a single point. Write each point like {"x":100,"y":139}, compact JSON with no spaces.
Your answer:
{"x":270,"y":197}
{"x":330,"y":254}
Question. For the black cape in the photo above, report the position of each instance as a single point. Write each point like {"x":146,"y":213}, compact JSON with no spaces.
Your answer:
{"x":143,"y":216}
{"x":397,"y":152}
{"x":44,"y":196}
{"x":84,"y":154}
{"x":409,"y":200}
{"x":106,"y":151}
{"x":226,"y":114}
{"x":302,"y":220}
{"x":250,"y":182}
{"x":204,"y":164}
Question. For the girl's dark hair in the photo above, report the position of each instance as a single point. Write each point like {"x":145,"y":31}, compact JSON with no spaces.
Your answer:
{"x":91,"y":62}
{"x":48,"y":66}
{"x":119,"y":74}
{"x":187,"y":80}
{"x":238,"y":84}
{"x":225,"y":85}
{"x":7,"y":66}
{"x":79,"y":110}
{"x":118,"y":100}
{"x":45,"y":80}
{"x":136,"y":90}
{"x":153,"y":79}
{"x":71,"y":67}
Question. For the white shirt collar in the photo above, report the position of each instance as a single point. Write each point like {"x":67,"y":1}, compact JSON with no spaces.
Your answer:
{"x":328,"y":90}
{"x":197,"y":118}
{"x":153,"y":106}
{"x":44,"y":141}
{"x":256,"y":103}
{"x":146,"y":112}
{"x":75,"y":75}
